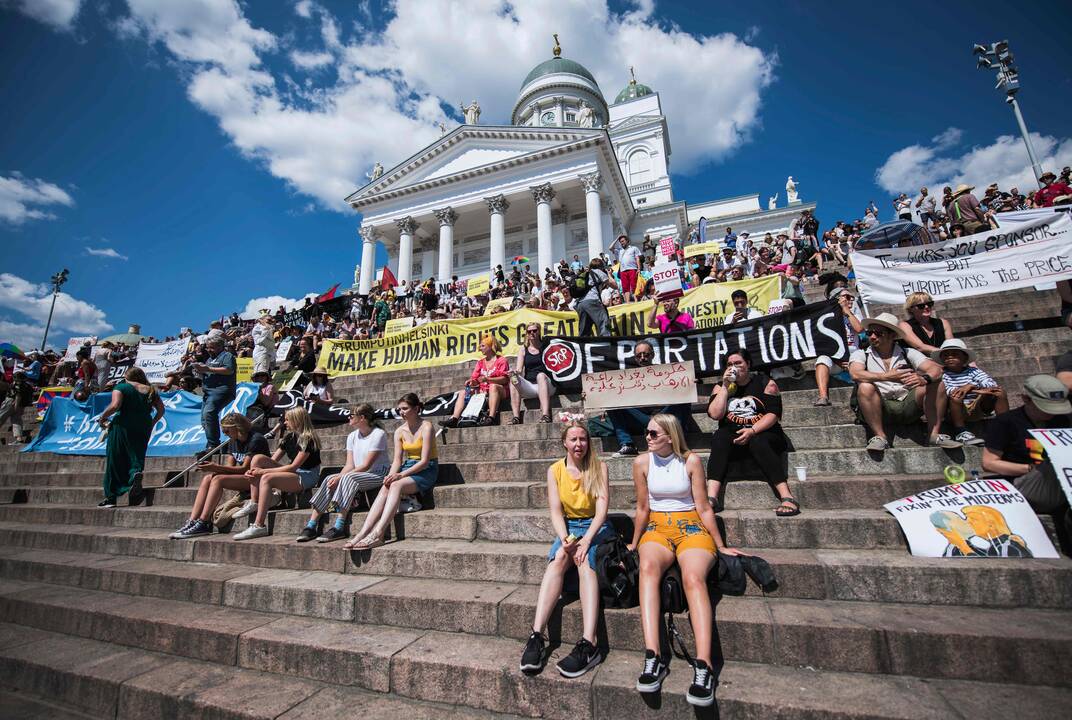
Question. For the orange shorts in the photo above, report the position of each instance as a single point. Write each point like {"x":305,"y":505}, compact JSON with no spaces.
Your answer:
{"x":678,"y":531}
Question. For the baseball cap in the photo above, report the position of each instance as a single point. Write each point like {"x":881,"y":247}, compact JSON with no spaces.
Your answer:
{"x":1048,"y":393}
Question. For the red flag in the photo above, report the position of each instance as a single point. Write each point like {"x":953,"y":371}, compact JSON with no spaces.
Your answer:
{"x":329,"y":294}
{"x":387,"y":279}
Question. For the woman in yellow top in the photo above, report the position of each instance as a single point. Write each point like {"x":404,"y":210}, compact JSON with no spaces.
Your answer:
{"x":414,"y":470}
{"x":577,"y":494}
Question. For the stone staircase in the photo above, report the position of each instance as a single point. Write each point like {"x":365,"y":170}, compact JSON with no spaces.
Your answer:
{"x":102,"y":616}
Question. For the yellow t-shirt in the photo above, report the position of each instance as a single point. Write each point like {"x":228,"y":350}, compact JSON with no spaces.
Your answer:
{"x":576,"y":503}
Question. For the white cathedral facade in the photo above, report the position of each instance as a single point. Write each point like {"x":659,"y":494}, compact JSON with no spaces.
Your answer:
{"x":567,"y":176}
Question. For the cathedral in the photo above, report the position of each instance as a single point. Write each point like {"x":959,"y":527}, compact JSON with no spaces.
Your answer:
{"x":567,"y":176}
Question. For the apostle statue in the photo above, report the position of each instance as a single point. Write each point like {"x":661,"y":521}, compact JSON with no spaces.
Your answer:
{"x":357,"y":275}
{"x":586,"y":118}
{"x":442,"y":128}
{"x":790,"y":190}
{"x":377,"y":171}
{"x":472,"y":113}
{"x":772,"y":201}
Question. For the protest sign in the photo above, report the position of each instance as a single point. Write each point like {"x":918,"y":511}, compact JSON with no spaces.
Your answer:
{"x":704,"y":248}
{"x":773,"y":341}
{"x":979,"y":518}
{"x":1015,"y":256}
{"x":319,"y":413}
{"x":1058,"y":446}
{"x":667,"y":247}
{"x":75,"y":344}
{"x":398,"y":325}
{"x":667,"y":277}
{"x":493,"y":305}
{"x":158,"y":359}
{"x":243,"y":369}
{"x":666,"y":384}
{"x":71,"y":428}
{"x":479,"y":285}
{"x":1015,"y":217}
{"x":118,"y":370}
{"x":283,"y":349}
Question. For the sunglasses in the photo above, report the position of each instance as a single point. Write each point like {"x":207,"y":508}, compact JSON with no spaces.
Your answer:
{"x":651,"y":434}
{"x":532,"y":330}
{"x":924,"y":305}
{"x":876,"y":331}
{"x":644,"y":354}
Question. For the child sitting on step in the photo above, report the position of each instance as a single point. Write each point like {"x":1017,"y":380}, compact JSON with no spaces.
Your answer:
{"x":578,"y":496}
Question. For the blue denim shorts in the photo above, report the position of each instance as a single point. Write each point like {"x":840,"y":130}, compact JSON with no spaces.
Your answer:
{"x":425,"y":479}
{"x":309,"y":478}
{"x":579,"y":526}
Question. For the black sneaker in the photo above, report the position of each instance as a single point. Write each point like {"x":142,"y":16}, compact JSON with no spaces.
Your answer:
{"x":626,"y":451}
{"x":702,"y":691}
{"x":583,"y":657}
{"x":451,"y":422}
{"x":307,"y":534}
{"x":651,"y":680}
{"x":108,"y":502}
{"x":333,"y":533}
{"x":533,"y":657}
{"x":200,"y":527}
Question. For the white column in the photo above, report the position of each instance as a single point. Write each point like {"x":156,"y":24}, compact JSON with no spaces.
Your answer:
{"x":593,"y":206}
{"x":368,"y":259}
{"x":428,"y":262}
{"x":543,"y":195}
{"x":406,"y":227}
{"x":446,"y":217}
{"x":497,"y":207}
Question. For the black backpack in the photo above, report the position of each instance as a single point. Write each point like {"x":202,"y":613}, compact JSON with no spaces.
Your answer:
{"x":618,"y":568}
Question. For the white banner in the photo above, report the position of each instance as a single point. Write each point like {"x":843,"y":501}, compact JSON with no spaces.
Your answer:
{"x":158,"y":359}
{"x":283,"y":349}
{"x":666,"y":384}
{"x":75,"y":344}
{"x":1015,"y":217}
{"x":1058,"y":445}
{"x":979,"y":518}
{"x":1016,"y":256}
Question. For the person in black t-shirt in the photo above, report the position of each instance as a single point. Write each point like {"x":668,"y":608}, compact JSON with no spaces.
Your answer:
{"x":242,"y":448}
{"x":1063,"y":369}
{"x":748,"y":408}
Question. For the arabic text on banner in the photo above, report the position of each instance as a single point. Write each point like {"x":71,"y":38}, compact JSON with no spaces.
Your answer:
{"x":666,"y":384}
{"x":158,"y":359}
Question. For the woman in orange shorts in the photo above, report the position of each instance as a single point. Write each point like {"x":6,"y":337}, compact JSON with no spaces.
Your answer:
{"x":674,"y":521}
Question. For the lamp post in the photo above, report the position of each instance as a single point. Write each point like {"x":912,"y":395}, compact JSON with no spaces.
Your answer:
{"x":997,"y":56}
{"x":57,"y":282}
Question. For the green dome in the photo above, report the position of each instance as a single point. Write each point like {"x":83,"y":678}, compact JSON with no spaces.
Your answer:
{"x":632,"y":91}
{"x":558,"y":65}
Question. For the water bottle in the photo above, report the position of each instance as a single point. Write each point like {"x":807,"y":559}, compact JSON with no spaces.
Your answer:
{"x":731,"y":388}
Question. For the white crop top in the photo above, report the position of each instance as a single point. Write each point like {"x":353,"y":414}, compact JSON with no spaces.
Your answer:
{"x":669,"y":488}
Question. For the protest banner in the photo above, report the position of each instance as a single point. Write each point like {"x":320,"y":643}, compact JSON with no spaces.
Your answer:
{"x":478,"y":285}
{"x":666,"y":384}
{"x":118,"y":370}
{"x":449,"y":342}
{"x":71,"y":428}
{"x":75,"y":344}
{"x":667,"y":277}
{"x":1015,"y":217}
{"x":1058,"y":446}
{"x":398,"y":325}
{"x":979,"y":518}
{"x":773,"y":341}
{"x":158,"y":359}
{"x":505,"y":303}
{"x":667,"y":247}
{"x":283,"y":349}
{"x":703,"y":248}
{"x":47,"y":395}
{"x":243,"y":369}
{"x":319,"y":413}
{"x":1015,"y":256}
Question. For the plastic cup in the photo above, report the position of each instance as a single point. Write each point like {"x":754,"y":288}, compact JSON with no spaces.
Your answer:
{"x":802,"y":473}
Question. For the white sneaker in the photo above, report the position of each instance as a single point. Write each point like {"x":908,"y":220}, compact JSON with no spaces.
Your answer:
{"x":409,"y":504}
{"x":250,"y":508}
{"x":253,"y":531}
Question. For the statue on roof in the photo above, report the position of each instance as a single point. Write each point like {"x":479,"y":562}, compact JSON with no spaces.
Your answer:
{"x":791,"y":190}
{"x":586,"y":117}
{"x":442,"y":128}
{"x":556,"y":50}
{"x":772,"y":201}
{"x":377,"y":171}
{"x":632,"y":76}
{"x":472,"y":113}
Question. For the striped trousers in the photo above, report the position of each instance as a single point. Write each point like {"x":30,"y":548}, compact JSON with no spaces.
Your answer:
{"x":345,"y":492}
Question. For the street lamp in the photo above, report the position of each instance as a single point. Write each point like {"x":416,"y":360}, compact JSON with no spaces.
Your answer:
{"x":997,"y":56}
{"x":57,"y":282}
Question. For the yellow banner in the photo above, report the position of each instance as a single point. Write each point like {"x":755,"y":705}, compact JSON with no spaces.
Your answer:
{"x":479,"y":285}
{"x":243,"y":369}
{"x":395,"y":325}
{"x":703,"y":248}
{"x":457,"y":341}
{"x":492,"y":305}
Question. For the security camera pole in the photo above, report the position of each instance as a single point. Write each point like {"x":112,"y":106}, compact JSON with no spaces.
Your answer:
{"x":997,"y":56}
{"x":57,"y":282}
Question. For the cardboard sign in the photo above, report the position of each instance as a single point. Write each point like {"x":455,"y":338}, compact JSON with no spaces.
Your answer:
{"x":479,"y":285}
{"x":980,"y":518}
{"x":398,"y":325}
{"x":658,"y":385}
{"x":75,"y":344}
{"x":243,"y":369}
{"x":158,"y":359}
{"x":283,"y":349}
{"x":505,"y":303}
{"x":668,"y":247}
{"x":667,"y":277}
{"x":1058,"y":446}
{"x":705,"y":248}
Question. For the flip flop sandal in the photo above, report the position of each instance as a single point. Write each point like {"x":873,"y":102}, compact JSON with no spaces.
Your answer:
{"x":783,"y":511}
{"x":515,"y":420}
{"x":368,"y":544}
{"x":545,"y":418}
{"x":822,"y":402}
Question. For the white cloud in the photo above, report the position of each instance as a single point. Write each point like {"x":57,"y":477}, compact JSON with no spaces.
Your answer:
{"x":271,"y":303}
{"x":27,"y":336}
{"x":72,"y":316}
{"x":1004,"y":161}
{"x":60,"y":14}
{"x":21,"y":198}
{"x":310,"y":60}
{"x":106,"y":253}
{"x":389,"y":88}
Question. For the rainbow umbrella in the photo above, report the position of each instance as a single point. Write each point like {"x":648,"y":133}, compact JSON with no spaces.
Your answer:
{"x":10,"y":350}
{"x":520,"y":260}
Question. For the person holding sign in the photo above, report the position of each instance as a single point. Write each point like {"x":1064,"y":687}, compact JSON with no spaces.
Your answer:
{"x":748,"y":407}
{"x":671,"y":319}
{"x":490,"y":377}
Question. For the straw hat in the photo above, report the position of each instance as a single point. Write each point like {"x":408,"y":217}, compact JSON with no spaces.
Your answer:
{"x":320,"y":370}
{"x":886,"y":320}
{"x":1047,"y":174}
{"x":962,"y":188}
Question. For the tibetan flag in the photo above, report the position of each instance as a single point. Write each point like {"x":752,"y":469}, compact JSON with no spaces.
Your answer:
{"x":328,"y":295}
{"x":46,"y":396}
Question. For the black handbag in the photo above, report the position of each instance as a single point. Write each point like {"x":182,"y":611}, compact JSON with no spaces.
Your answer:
{"x":618,"y":571}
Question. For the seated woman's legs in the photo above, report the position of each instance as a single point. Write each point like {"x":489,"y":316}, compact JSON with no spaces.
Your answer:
{"x":544,"y":390}
{"x":767,"y":449}
{"x":384,"y":508}
{"x":213,"y":491}
{"x":285,"y":481}
{"x":695,"y":565}
{"x":722,"y":449}
{"x":655,"y":558}
{"x":321,"y":499}
{"x":550,"y":589}
{"x":495,"y":396}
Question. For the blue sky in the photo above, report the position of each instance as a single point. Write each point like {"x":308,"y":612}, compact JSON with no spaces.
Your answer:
{"x":186,"y":158}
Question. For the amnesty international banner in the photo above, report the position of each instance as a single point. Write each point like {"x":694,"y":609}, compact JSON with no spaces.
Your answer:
{"x":479,"y":285}
{"x":704,"y":248}
{"x":1013,"y":257}
{"x":398,"y":325}
{"x":449,"y":342}
{"x":243,"y":369}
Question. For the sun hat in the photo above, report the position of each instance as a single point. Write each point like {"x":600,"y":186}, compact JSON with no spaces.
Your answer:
{"x":839,"y":291}
{"x":1048,"y":393}
{"x":962,"y":188}
{"x":953,"y":344}
{"x":1047,"y":174}
{"x":886,"y":320}
{"x":319,"y":370}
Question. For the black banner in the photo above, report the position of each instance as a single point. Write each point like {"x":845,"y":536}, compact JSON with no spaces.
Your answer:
{"x":773,"y":341}
{"x":320,"y":414}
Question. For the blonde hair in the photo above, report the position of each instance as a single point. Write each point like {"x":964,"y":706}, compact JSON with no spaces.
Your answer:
{"x":238,"y":421}
{"x":301,"y":425}
{"x":670,"y":425}
{"x":914,"y":299}
{"x":490,"y":340}
{"x":591,"y":465}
